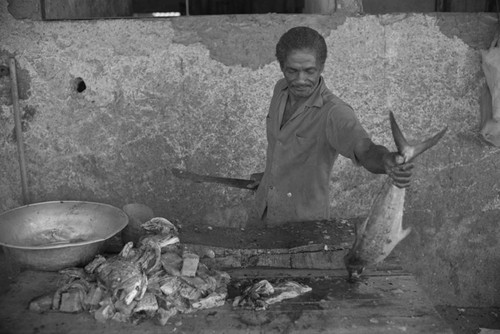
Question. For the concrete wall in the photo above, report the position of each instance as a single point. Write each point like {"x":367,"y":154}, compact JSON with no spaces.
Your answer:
{"x":193,"y":93}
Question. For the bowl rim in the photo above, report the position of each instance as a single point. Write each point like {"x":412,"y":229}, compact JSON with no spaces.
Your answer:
{"x":68,"y":245}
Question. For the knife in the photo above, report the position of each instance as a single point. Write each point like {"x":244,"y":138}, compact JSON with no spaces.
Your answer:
{"x":232,"y":182}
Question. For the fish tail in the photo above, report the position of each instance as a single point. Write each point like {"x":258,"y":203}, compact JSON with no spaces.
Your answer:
{"x":410,"y":152}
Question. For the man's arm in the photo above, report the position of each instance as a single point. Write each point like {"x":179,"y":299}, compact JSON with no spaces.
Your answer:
{"x":379,"y":160}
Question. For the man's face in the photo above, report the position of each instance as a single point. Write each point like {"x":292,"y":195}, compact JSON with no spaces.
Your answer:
{"x":302,"y":72}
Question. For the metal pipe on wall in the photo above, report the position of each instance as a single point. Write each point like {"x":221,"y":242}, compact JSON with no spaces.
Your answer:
{"x":19,"y":131}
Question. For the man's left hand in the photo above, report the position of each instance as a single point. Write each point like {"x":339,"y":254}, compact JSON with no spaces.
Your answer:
{"x":257,"y":177}
{"x":399,"y":171}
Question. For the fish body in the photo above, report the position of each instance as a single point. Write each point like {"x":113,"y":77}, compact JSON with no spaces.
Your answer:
{"x":377,"y":236}
{"x":383,"y":229}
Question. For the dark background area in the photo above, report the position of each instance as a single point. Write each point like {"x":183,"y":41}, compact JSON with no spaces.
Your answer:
{"x":90,"y":9}
{"x":219,"y":7}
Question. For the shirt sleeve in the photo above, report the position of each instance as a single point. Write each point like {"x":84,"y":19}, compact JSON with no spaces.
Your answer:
{"x":343,"y":130}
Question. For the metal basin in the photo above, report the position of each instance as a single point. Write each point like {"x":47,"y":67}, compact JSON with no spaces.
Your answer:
{"x":51,"y":236}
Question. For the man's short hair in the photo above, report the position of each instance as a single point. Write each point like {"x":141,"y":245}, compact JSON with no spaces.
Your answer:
{"x":300,"y":38}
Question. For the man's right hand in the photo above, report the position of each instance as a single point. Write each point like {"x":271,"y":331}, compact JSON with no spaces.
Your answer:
{"x":257,"y":177}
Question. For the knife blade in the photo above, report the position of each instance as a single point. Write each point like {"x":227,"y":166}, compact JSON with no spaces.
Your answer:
{"x":198,"y":178}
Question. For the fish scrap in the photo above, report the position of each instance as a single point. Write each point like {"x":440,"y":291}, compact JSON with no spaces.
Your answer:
{"x":260,"y":295}
{"x":155,"y":280}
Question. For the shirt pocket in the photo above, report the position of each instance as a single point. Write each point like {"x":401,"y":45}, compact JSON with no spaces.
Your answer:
{"x":304,"y":147}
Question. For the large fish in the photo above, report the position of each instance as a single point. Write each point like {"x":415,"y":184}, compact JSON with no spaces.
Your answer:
{"x":377,"y":236}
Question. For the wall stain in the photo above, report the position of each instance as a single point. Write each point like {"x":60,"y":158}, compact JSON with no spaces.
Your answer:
{"x":234,"y":45}
{"x":465,"y":27}
{"x":26,"y":118}
{"x":23,"y":80}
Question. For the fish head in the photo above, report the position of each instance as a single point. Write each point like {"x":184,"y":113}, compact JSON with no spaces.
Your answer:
{"x":160,"y":225}
{"x":355,"y":273}
{"x":354,"y":266}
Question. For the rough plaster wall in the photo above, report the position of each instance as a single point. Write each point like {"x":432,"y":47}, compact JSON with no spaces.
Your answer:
{"x":454,"y":206}
{"x":193,"y":92}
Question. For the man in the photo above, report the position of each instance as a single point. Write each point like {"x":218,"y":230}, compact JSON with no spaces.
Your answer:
{"x":307,"y":127}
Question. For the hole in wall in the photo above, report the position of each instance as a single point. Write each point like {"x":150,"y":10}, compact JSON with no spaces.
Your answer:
{"x":4,"y":71}
{"x":79,"y":85}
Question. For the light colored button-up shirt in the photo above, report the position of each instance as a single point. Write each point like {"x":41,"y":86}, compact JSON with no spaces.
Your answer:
{"x":301,"y":154}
